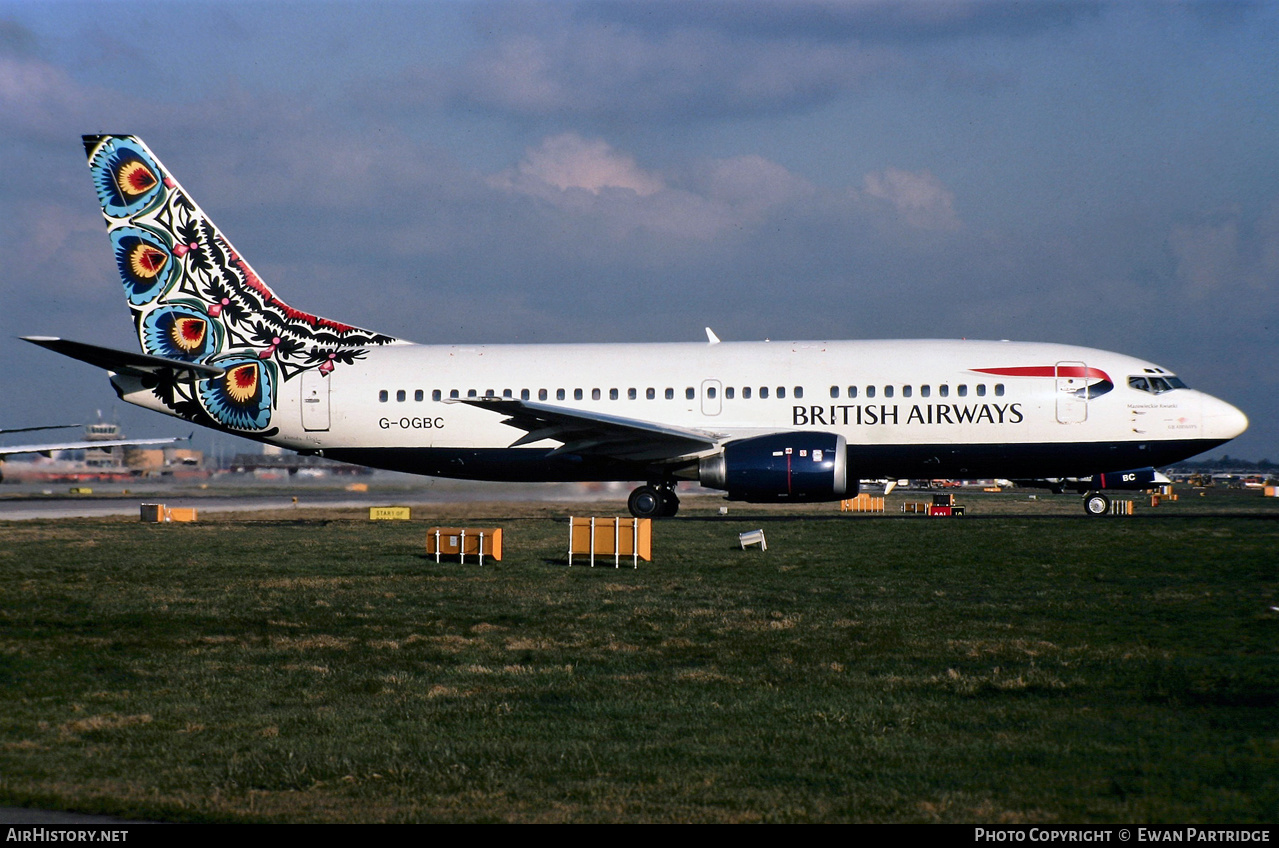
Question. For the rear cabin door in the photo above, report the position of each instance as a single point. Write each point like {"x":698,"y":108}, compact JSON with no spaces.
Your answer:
{"x":315,"y":400}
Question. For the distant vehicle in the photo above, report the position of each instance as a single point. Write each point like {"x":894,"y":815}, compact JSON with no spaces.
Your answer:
{"x":762,"y":421}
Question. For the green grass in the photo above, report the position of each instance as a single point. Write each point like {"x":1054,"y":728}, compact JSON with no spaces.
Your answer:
{"x":1016,"y":665}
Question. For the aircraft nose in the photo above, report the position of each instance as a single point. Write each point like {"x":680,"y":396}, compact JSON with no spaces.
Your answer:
{"x":1221,"y":420}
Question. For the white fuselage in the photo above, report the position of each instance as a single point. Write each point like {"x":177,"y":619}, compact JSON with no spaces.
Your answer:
{"x":975,"y":408}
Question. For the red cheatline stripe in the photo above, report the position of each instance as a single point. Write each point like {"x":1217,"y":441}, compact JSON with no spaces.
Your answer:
{"x":1047,"y":371}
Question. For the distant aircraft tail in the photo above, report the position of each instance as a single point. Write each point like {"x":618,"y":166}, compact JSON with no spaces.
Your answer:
{"x":194,"y":299}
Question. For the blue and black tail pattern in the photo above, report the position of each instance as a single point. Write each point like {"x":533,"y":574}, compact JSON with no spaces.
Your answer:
{"x":194,"y":299}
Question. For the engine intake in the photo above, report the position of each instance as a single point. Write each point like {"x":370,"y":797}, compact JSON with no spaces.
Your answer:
{"x":780,"y":467}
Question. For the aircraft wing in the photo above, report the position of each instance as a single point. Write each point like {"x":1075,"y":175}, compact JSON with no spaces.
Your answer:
{"x":122,"y":361}
{"x":582,"y":432}
{"x":7,"y":450}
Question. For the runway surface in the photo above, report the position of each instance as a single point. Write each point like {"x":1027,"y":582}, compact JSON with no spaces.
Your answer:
{"x":234,"y":493}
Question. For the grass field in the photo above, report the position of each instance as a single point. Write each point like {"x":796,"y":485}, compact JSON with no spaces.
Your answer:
{"x":1021,"y":664}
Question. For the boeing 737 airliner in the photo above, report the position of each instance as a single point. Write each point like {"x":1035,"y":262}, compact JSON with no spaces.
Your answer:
{"x":762,"y":421}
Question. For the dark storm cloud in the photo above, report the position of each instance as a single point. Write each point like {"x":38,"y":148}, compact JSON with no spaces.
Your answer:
{"x":673,"y":61}
{"x":16,"y":40}
{"x":866,"y":21}
{"x":557,"y":62}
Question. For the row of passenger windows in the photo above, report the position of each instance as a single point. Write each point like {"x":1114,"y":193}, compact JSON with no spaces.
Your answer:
{"x":690,"y":393}
{"x":924,"y":391}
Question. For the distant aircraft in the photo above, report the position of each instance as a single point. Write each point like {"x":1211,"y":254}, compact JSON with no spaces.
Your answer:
{"x":84,"y":444}
{"x":762,"y":421}
{"x":42,"y":427}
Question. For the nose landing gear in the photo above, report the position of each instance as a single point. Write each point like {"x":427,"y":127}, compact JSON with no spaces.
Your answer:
{"x":654,"y":500}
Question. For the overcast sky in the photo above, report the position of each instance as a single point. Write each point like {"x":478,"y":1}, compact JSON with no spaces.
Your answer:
{"x":1104,"y":174}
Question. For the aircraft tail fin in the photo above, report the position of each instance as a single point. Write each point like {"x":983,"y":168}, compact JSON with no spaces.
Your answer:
{"x":195,"y":299}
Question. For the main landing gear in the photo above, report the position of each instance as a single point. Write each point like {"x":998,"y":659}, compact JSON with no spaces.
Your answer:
{"x":1095,"y":503}
{"x":654,"y":500}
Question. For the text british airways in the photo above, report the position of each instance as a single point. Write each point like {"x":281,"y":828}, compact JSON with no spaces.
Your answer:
{"x":849,"y":414}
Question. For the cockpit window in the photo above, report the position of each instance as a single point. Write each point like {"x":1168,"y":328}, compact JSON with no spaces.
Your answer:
{"x":1154,"y":385}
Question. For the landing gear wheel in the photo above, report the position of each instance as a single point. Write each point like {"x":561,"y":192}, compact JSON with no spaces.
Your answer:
{"x":653,"y":502}
{"x":1096,"y":503}
{"x":646,"y":502}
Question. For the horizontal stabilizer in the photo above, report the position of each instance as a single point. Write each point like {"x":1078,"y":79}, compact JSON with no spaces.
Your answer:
{"x":122,"y":361}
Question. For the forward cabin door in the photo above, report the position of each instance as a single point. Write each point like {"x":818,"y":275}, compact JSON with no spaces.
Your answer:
{"x":1072,"y":394}
{"x":315,"y":400}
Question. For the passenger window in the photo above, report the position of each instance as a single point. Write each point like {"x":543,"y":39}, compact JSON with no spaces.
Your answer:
{"x":963,"y":391}
{"x":454,"y":393}
{"x":981,"y":390}
{"x":507,"y":393}
{"x":728,"y":393}
{"x":670,"y":394}
{"x":595,"y":394}
{"x":781,"y":392}
{"x":943,"y":390}
{"x":688,"y":393}
{"x":559,"y":394}
{"x":746,"y":392}
{"x":710,"y":392}
{"x":524,"y":394}
{"x":400,"y":396}
{"x":906,"y":391}
{"x":763,"y":392}
{"x":650,"y":394}
{"x":925,"y":391}
{"x":999,"y":390}
{"x":799,"y":393}
{"x":436,"y":394}
{"x":631,"y":394}
{"x":541,"y":394}
{"x":577,"y":394}
{"x":612,"y":394}
{"x":419,"y":395}
{"x":888,"y":391}
{"x":382,"y":396}
{"x":852,"y":391}
{"x":870,"y":391}
{"x":834,"y":391}
{"x":472,"y":393}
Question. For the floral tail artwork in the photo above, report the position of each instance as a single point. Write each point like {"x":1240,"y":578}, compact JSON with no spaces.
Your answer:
{"x":194,"y":299}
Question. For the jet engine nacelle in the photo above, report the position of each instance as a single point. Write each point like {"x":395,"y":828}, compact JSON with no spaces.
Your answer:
{"x":780,"y":467}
